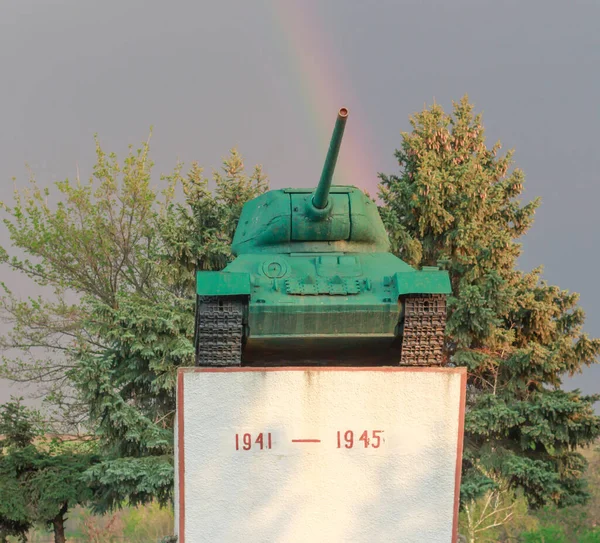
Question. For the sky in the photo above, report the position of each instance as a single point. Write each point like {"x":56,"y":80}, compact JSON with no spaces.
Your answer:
{"x":267,"y":77}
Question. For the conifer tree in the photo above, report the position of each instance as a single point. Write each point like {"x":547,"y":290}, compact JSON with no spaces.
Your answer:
{"x":41,"y":479}
{"x":455,"y":203}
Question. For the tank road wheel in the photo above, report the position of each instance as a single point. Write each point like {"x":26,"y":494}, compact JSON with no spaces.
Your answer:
{"x":424,"y":327}
{"x":219,"y":331}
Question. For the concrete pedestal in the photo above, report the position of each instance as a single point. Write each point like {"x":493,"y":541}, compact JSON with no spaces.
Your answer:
{"x":319,"y":454}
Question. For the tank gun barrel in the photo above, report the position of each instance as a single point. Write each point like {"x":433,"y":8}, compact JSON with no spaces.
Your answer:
{"x":321,"y":195}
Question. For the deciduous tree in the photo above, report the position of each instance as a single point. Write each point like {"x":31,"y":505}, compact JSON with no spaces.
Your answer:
{"x":120,"y":256}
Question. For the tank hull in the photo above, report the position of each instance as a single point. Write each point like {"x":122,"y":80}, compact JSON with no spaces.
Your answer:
{"x":309,"y":307}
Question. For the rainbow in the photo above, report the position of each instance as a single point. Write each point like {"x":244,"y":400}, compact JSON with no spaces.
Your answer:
{"x":324,"y":89}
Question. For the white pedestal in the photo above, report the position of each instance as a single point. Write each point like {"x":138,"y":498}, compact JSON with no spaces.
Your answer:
{"x":319,"y":454}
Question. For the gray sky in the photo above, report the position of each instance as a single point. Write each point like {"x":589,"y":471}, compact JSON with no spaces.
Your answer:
{"x":266,"y":76}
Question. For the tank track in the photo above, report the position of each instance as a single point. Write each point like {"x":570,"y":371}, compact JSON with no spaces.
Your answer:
{"x":219,"y":331}
{"x":424,"y":327}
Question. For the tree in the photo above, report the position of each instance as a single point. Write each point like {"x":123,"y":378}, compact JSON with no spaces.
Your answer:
{"x":57,"y":482}
{"x":455,"y":202}
{"x":16,"y":432}
{"x":39,"y":480}
{"x":124,"y":255}
{"x":14,"y":518}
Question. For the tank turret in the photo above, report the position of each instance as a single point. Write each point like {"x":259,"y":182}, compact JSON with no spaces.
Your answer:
{"x":314,"y":281}
{"x":330,"y":218}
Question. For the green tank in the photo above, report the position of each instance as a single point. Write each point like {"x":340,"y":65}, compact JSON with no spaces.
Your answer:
{"x":314,"y":281}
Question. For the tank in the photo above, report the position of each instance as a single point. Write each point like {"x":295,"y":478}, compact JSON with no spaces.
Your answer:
{"x":314,"y":282}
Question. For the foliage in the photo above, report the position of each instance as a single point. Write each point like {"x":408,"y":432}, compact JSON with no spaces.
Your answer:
{"x":455,"y":202}
{"x":17,"y":432}
{"x":119,"y":256}
{"x":578,"y":519}
{"x":573,"y":523}
{"x":39,"y":481}
{"x":140,"y":524}
{"x":498,"y":515}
